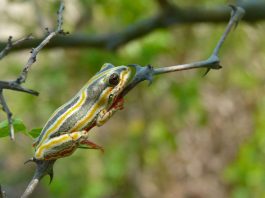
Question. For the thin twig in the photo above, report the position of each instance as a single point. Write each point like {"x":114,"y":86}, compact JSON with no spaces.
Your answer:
{"x":43,"y":167}
{"x":17,"y":87}
{"x":213,"y":62}
{"x":23,"y":75}
{"x":9,"y":115}
{"x":31,"y":187}
{"x":16,"y":84}
{"x":10,"y":44}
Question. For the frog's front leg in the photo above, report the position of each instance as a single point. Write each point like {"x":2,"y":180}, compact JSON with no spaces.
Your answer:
{"x":64,"y":145}
{"x":105,"y":115}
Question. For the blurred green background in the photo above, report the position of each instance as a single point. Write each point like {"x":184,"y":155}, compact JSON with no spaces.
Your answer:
{"x":184,"y":136}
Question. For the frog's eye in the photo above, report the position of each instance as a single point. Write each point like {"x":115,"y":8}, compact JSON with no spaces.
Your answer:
{"x":114,"y":79}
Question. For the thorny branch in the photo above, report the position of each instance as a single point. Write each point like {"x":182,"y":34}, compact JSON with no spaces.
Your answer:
{"x":142,"y":73}
{"x":170,"y":16}
{"x":213,"y":62}
{"x":145,"y":73}
{"x":16,"y":84}
{"x":43,"y":167}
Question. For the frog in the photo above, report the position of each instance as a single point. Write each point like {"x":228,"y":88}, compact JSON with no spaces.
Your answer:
{"x":94,"y":104}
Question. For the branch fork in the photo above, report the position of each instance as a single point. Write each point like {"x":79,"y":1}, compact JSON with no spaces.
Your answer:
{"x":15,"y":85}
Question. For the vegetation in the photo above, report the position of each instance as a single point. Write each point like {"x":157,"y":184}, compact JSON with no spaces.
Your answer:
{"x":184,"y":136}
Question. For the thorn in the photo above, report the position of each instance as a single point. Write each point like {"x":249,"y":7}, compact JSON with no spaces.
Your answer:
{"x":233,"y":12}
{"x":206,"y":72}
{"x":239,"y":11}
{"x":9,"y":41}
{"x":63,"y":32}
{"x":219,"y":67}
{"x":149,"y":77}
{"x":31,"y":160}
{"x":234,"y":8}
{"x":102,"y":150}
{"x":51,"y":175}
{"x":216,"y":66}
{"x":47,"y":30}
{"x":150,"y":66}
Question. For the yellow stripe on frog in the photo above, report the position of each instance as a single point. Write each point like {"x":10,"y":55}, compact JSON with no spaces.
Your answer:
{"x":63,"y":117}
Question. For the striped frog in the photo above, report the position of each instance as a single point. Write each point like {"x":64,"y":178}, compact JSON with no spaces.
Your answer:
{"x":67,"y":129}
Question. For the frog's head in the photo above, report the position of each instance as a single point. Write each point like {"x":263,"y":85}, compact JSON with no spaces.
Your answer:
{"x":116,"y":79}
{"x":108,"y":83}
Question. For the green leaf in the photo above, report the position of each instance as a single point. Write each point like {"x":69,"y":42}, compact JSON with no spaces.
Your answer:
{"x":18,"y":127}
{"x":35,"y":132}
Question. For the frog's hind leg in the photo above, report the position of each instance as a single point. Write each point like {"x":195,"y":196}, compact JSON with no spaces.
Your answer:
{"x":60,"y":146}
{"x":64,"y":145}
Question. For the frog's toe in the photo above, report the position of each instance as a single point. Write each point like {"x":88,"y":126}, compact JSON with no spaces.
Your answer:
{"x":86,"y":144}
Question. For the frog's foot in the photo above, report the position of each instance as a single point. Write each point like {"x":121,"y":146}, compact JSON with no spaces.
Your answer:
{"x":119,"y":105}
{"x":86,"y":144}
